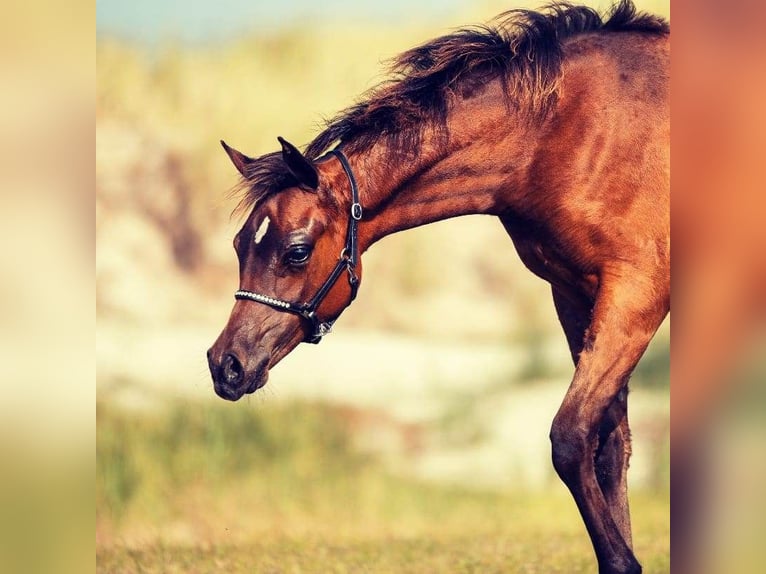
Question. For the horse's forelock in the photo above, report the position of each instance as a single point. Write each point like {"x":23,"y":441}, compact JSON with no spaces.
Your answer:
{"x":266,"y":175}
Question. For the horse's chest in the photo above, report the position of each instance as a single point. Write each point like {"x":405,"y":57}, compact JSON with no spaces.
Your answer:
{"x":549,"y":263}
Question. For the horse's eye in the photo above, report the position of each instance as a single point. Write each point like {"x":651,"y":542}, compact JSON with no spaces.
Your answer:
{"x":298,"y":255}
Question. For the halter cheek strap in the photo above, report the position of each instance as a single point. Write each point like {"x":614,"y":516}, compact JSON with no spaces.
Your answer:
{"x":347,"y":261}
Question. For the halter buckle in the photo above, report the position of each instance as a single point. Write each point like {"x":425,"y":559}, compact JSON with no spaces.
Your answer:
{"x":356,"y":211}
{"x":323,"y":329}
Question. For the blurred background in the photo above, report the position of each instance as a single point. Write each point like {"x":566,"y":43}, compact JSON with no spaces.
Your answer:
{"x":405,"y":442}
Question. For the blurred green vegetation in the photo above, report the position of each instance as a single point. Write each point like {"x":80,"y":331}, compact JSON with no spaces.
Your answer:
{"x":145,"y":457}
{"x":283,"y":488}
{"x":653,"y":370}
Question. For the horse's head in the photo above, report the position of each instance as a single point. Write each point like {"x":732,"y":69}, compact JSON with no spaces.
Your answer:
{"x":298,"y":264}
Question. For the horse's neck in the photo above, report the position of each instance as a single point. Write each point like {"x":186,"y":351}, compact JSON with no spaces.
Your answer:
{"x":471,"y":174}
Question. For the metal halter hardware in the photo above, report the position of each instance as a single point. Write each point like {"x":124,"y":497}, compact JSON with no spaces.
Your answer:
{"x":349,"y":257}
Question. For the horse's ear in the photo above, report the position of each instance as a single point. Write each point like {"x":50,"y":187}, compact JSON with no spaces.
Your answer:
{"x":299,"y":165}
{"x":240,"y":160}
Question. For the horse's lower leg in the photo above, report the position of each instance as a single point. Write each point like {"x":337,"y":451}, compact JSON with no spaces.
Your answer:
{"x":612,"y":458}
{"x":574,"y":436}
{"x":613,"y":453}
{"x":621,"y":327}
{"x":614,"y":447}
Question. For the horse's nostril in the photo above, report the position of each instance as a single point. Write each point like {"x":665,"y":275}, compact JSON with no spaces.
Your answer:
{"x":232,"y":369}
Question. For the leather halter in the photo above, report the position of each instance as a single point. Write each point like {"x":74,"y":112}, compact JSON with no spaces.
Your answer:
{"x":347,"y":261}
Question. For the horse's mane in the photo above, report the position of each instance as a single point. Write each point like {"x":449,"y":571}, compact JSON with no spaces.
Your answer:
{"x":521,"y":48}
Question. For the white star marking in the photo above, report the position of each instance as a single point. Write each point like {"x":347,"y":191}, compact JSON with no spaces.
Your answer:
{"x":262,"y":229}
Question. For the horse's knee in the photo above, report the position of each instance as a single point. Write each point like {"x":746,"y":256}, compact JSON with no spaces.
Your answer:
{"x":569,"y":449}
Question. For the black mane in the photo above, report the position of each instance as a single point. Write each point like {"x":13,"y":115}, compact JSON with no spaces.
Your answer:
{"x":521,"y":48}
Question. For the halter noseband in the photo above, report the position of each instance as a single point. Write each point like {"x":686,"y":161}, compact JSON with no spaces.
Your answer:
{"x":347,"y":261}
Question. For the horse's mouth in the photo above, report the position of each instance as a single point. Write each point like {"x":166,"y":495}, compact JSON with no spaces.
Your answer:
{"x":238,"y":372}
{"x":233,"y":393}
{"x":228,"y":393}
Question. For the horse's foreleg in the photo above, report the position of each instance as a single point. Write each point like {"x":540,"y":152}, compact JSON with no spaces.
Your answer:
{"x":614,"y":446}
{"x":589,"y":433}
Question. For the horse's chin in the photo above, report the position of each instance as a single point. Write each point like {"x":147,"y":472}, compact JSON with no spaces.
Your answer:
{"x":258,"y":382}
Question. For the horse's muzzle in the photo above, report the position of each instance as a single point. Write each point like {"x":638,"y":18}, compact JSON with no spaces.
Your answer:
{"x":233,"y":377}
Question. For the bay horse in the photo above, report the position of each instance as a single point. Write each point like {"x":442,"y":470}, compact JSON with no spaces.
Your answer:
{"x":556,"y":122}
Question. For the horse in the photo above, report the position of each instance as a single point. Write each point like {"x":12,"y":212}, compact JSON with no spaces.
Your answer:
{"x":556,"y":122}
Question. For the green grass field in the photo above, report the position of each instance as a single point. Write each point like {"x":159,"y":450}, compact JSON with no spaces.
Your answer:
{"x":536,"y":535}
{"x":548,"y":546}
{"x":215,"y":489}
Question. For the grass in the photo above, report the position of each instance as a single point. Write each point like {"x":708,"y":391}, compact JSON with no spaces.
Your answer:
{"x":197,"y":488}
{"x":521,"y":534}
{"x":506,"y":552}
